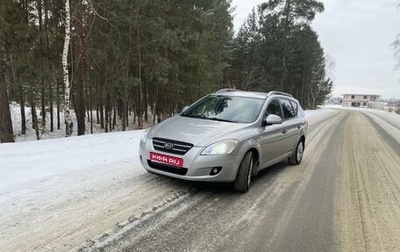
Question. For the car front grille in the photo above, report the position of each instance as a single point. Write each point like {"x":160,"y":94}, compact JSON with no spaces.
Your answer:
{"x":171,"y":146}
{"x":167,"y":168}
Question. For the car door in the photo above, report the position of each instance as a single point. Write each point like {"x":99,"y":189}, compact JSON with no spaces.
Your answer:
{"x":291,"y":126}
{"x":271,"y":139}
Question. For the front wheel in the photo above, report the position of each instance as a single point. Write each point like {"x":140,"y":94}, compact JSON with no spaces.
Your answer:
{"x":297,"y":156}
{"x":243,"y":177}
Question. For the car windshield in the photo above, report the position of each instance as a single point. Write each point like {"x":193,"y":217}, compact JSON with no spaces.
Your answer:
{"x":234,"y":109}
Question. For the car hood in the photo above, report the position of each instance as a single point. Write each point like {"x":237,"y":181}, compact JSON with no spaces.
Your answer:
{"x":199,"y":132}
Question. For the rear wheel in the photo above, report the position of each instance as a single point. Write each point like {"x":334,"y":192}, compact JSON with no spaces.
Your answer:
{"x":297,"y":156}
{"x":243,"y":177}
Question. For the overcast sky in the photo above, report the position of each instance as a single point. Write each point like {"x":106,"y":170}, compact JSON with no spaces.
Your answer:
{"x":357,"y":36}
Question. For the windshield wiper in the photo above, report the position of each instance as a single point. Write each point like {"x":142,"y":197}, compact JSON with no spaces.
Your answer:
{"x":220,"y":119}
{"x":209,"y":118}
{"x":193,"y":116}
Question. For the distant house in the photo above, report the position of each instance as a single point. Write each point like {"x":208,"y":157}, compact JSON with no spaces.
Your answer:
{"x":362,"y":101}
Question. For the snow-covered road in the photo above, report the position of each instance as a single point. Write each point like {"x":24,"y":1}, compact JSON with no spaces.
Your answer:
{"x":58,"y":194}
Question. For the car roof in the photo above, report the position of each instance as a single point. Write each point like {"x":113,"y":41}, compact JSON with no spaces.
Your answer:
{"x":237,"y":92}
{"x":253,"y":94}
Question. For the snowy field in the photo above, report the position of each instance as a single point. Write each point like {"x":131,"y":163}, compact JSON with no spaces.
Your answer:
{"x":41,"y":180}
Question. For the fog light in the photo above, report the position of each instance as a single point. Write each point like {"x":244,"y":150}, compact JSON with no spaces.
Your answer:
{"x":215,"y":170}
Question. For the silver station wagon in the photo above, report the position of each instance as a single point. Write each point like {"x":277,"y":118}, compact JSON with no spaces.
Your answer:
{"x":227,"y":136}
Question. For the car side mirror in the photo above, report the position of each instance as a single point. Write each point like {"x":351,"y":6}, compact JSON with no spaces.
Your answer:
{"x":272,"y":119}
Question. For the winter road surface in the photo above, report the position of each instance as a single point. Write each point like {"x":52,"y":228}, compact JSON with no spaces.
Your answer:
{"x":344,"y":196}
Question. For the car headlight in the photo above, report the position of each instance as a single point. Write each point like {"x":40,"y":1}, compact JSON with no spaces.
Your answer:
{"x":219,"y":148}
{"x":144,"y":135}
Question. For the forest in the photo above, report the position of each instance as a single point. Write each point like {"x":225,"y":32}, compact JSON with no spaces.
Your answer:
{"x":137,"y":62}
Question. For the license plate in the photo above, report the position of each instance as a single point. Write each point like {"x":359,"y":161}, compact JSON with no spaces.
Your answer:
{"x":165,"y":159}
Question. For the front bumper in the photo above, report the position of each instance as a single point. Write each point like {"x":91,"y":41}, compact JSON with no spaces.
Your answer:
{"x":196,"y":167}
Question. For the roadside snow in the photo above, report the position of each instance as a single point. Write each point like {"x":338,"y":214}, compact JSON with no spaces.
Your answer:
{"x":28,"y":164}
{"x":52,"y":189}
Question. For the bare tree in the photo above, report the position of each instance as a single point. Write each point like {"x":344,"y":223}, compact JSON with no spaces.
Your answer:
{"x":67,"y":102}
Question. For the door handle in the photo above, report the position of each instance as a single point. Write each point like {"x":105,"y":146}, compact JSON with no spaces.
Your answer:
{"x":298,"y":126}
{"x":284,"y":131}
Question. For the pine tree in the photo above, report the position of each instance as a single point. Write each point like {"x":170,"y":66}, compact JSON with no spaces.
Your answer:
{"x":276,"y":49}
{"x":6,"y":129}
{"x":127,"y":58}
{"x":80,"y":69}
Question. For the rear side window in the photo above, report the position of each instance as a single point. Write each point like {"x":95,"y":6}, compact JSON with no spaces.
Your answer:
{"x":295,"y":107}
{"x":288,"y":109}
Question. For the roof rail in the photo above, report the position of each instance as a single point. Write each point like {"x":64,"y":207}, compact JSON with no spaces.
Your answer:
{"x":279,"y":93}
{"x":227,"y":90}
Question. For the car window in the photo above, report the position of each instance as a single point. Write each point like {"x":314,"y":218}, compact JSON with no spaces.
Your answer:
{"x":274,"y":107}
{"x":300,"y":111}
{"x":295,"y":107}
{"x":287,"y":108}
{"x":226,"y":108}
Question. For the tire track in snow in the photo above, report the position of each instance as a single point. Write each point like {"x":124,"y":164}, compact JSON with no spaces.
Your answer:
{"x":370,"y":182}
{"x":65,"y":223}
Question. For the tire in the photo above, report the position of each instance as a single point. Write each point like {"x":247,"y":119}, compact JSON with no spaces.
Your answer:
{"x":297,"y":156}
{"x":243,"y":177}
